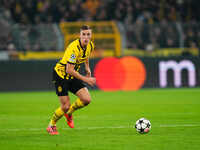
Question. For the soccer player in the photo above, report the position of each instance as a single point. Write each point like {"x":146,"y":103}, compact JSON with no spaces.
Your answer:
{"x":67,"y":78}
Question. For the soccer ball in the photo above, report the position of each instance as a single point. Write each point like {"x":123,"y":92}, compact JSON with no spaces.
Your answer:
{"x":143,"y":125}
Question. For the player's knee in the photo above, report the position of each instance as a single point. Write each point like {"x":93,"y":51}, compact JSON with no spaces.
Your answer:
{"x":86,"y":101}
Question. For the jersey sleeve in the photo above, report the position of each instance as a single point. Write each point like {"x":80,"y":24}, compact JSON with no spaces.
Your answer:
{"x":70,"y":55}
{"x":92,"y":46}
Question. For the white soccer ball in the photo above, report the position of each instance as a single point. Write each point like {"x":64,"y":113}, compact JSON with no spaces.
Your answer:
{"x":143,"y":125}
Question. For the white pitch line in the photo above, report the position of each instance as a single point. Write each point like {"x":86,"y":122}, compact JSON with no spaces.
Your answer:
{"x":108,"y":127}
{"x":180,"y":125}
{"x":78,"y":128}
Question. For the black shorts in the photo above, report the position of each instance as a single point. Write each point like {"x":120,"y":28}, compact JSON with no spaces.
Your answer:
{"x":63,"y":86}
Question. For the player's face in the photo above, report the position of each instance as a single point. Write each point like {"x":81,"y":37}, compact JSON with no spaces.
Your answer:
{"x":85,"y":36}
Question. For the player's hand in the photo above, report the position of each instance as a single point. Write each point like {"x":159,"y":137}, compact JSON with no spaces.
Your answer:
{"x":91,"y":81}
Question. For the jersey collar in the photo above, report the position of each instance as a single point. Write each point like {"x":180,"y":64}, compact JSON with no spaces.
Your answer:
{"x":81,"y":45}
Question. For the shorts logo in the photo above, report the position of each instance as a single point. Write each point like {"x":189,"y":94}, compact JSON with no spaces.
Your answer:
{"x":59,"y":89}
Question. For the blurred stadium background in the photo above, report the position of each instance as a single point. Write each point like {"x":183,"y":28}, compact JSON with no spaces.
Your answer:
{"x":34,"y":34}
{"x":147,"y":46}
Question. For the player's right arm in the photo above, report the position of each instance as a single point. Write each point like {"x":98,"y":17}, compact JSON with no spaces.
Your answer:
{"x":70,"y":70}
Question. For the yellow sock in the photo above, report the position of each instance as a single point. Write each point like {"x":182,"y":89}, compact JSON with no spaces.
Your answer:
{"x":76,"y":105}
{"x":56,"y":116}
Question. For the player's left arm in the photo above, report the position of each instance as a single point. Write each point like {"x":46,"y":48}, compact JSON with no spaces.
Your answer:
{"x":87,"y":68}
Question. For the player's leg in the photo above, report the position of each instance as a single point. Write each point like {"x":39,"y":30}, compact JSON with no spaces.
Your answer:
{"x":83,"y":100}
{"x":78,"y":88}
{"x":61,"y":87}
{"x":59,"y":112}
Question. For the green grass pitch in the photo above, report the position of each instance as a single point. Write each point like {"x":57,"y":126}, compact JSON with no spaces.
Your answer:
{"x":106,"y":124}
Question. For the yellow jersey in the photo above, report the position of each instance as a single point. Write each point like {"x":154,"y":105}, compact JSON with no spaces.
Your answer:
{"x":74,"y":54}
